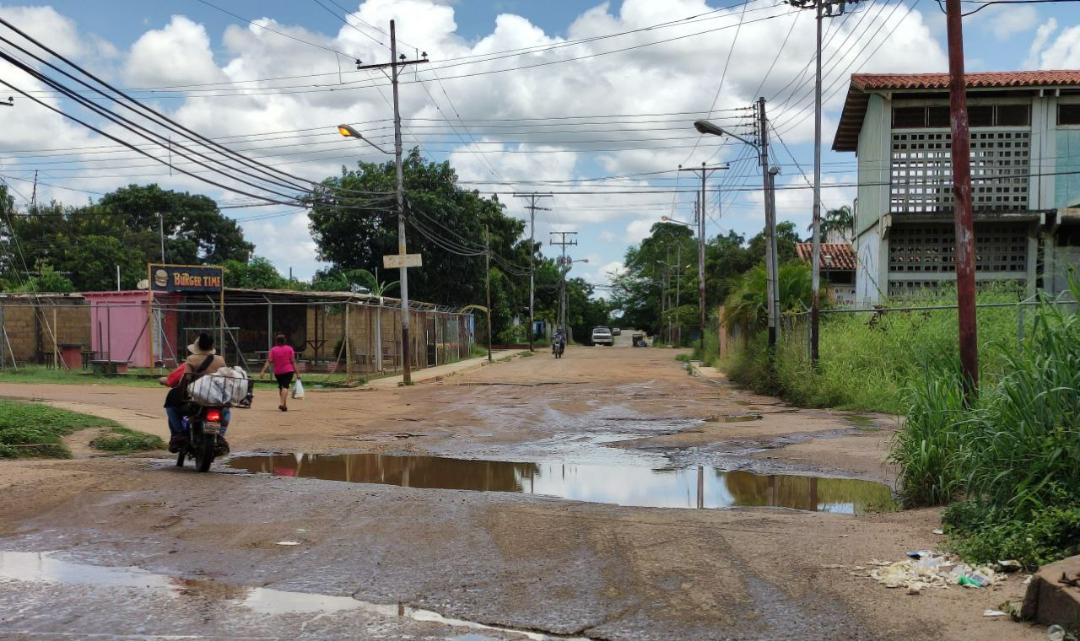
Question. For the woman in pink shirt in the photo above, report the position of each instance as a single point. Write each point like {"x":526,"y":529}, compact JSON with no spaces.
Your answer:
{"x":283,"y":359}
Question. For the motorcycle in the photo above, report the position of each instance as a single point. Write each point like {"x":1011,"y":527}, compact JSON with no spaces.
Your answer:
{"x":557,"y":348}
{"x":205,"y":427}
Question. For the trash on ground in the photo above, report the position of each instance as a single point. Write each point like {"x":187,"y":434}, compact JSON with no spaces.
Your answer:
{"x":995,"y":613}
{"x":1011,"y":565}
{"x":1055,"y":633}
{"x":288,"y":542}
{"x":927,"y":569}
{"x":939,"y":531}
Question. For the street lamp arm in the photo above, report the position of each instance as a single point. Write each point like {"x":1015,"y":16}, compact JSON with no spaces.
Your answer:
{"x":349,"y":132}
{"x":707,"y":127}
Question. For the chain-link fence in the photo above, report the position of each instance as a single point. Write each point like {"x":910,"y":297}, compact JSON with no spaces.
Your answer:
{"x":333,"y":333}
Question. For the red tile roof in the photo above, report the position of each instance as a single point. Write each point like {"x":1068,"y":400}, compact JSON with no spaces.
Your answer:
{"x":982,"y":80}
{"x":834,"y":256}
{"x":862,"y":84}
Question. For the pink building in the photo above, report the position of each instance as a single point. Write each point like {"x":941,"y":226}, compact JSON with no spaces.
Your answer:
{"x":123,"y":329}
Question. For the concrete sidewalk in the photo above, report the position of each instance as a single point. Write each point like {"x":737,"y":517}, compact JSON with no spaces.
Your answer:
{"x":429,"y":374}
{"x":697,"y":368}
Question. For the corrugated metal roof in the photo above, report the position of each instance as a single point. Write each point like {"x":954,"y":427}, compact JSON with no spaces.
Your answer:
{"x":862,"y":84}
{"x":834,"y":256}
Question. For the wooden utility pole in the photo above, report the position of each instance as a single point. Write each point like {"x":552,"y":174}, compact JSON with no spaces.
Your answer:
{"x":533,"y":208}
{"x":705,"y":173}
{"x":564,"y":267}
{"x":487,"y":284}
{"x":965,"y":230}
{"x":403,"y":277}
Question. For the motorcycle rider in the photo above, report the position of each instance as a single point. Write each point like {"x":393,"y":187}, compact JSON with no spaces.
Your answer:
{"x":558,"y":341}
{"x":202,"y":359}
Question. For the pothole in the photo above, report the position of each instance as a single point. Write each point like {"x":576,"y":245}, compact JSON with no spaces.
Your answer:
{"x":694,"y":487}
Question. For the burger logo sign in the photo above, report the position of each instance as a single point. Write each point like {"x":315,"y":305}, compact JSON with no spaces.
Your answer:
{"x":186,"y":278}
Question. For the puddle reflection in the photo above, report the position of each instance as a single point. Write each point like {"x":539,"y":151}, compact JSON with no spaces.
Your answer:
{"x":696,"y":487}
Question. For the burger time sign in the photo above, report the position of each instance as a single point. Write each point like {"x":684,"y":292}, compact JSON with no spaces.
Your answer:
{"x":186,"y":278}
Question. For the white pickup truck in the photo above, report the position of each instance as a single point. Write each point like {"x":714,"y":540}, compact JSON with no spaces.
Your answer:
{"x":602,"y":336}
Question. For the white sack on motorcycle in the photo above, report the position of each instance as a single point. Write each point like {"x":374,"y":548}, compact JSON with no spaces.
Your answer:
{"x":227,"y":386}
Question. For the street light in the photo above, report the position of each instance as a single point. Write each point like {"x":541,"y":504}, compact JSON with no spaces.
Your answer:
{"x":565,"y":264}
{"x":707,"y":127}
{"x":349,"y":132}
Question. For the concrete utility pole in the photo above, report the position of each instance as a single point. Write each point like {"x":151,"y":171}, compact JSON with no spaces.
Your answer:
{"x":965,"y":230}
{"x":705,"y":173}
{"x":830,"y":9}
{"x":771,"y":263}
{"x":403,"y":277}
{"x":161,"y":229}
{"x":487,"y":284}
{"x":533,"y":208}
{"x":564,"y":267}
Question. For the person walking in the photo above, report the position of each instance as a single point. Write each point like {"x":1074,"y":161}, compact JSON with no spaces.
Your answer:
{"x":282,"y":358}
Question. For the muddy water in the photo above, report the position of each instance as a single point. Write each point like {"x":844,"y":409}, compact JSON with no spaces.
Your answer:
{"x":45,"y":567}
{"x":630,"y":485}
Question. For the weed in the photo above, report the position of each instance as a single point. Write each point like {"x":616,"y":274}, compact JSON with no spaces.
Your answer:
{"x":121,"y":440}
{"x":36,"y":430}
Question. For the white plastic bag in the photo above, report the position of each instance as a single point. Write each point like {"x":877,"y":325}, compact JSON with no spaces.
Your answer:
{"x":224,"y":387}
{"x":298,"y":390}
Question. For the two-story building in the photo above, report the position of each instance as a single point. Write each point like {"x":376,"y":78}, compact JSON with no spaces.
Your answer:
{"x":1025,"y":166}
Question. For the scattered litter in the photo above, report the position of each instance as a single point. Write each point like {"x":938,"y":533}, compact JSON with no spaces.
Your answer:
{"x":1055,"y":633}
{"x":995,"y":613}
{"x":925,"y":569}
{"x":939,"y":531}
{"x":288,"y":542}
{"x":1010,"y":566}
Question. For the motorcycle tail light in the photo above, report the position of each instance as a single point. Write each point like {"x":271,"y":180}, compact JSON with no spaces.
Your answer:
{"x":214,"y":416}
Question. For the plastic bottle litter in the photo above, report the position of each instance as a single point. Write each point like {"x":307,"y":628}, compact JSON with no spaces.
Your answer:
{"x":1055,"y":633}
{"x":995,"y":613}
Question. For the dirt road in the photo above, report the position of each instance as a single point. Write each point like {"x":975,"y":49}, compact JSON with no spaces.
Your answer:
{"x":134,"y":548}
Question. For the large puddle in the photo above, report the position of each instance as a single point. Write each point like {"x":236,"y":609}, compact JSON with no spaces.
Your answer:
{"x":45,"y":567}
{"x":639,"y":486}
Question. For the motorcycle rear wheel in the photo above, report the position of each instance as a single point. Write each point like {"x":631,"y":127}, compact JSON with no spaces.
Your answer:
{"x":204,"y":454}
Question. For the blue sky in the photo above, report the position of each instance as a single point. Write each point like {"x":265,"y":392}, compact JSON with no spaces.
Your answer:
{"x":701,"y":56}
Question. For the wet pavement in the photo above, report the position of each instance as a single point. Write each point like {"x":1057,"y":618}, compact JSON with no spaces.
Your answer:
{"x":627,"y":485}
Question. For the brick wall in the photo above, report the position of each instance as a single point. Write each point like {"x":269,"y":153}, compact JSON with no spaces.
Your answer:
{"x":30,"y":328}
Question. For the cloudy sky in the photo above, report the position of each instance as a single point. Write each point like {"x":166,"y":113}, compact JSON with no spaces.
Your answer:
{"x":590,"y":101}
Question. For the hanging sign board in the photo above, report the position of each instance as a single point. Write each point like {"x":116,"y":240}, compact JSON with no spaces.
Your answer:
{"x":397,"y":261}
{"x":186,"y":278}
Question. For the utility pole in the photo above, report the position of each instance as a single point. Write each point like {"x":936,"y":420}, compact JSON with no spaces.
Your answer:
{"x":566,"y":239}
{"x":705,"y":173}
{"x":533,"y":208}
{"x":767,"y":175}
{"x":161,"y":229}
{"x":830,"y":9}
{"x":403,"y":278}
{"x":487,"y":284}
{"x":678,"y":270}
{"x":33,"y":192}
{"x":965,"y":231}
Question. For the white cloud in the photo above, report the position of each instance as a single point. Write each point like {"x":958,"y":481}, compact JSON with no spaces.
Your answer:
{"x":639,"y":229}
{"x":1061,"y":53}
{"x":1042,"y":35}
{"x":178,"y":54}
{"x":1006,"y":22}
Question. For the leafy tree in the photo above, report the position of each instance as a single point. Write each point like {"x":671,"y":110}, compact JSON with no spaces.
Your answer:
{"x":258,"y":273}
{"x":747,"y":305}
{"x":88,"y":243}
{"x":46,"y":280}
{"x":840,"y":222}
{"x":354,"y":224}
{"x":786,"y":237}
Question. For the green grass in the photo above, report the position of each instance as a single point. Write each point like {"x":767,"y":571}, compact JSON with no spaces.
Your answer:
{"x":121,"y":440}
{"x":34,"y":430}
{"x":867,"y":362}
{"x":1010,"y":457}
{"x":41,"y":375}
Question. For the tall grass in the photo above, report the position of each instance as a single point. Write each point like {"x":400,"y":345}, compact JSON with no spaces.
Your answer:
{"x":1013,"y":456}
{"x":868,"y":360}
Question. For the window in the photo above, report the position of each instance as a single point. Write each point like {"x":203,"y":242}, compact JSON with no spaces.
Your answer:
{"x":909,"y":117}
{"x":1069,"y":114}
{"x":981,"y":116}
{"x":1012,"y":116}
{"x":937,"y":117}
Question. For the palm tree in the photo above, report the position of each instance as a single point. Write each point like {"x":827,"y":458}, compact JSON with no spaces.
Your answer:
{"x":371,"y":282}
{"x":841,"y":221}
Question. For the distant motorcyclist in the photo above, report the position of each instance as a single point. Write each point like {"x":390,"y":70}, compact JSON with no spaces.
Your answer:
{"x":558,"y":343}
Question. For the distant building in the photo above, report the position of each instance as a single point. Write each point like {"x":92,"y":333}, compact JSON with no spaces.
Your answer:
{"x":837,"y":269}
{"x":1025,"y":165}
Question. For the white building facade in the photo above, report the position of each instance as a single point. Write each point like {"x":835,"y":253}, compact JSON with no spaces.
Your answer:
{"x":1025,"y":166}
